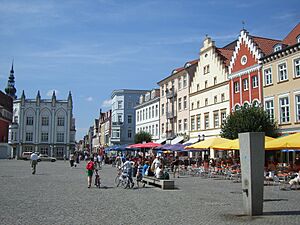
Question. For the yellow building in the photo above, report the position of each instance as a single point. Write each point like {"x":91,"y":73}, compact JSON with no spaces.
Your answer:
{"x":281,"y":80}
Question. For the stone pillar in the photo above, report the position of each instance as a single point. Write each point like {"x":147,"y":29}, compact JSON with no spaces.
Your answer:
{"x":252,"y":154}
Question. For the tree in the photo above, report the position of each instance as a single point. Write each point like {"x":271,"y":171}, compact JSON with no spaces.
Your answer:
{"x":248,"y":119}
{"x":142,"y":136}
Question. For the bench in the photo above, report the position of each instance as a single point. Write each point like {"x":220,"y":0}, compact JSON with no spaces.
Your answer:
{"x":164,"y":184}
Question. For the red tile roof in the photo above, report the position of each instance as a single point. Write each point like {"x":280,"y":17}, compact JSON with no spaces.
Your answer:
{"x":225,"y":54}
{"x":193,"y":61}
{"x":266,"y":45}
{"x":291,"y":38}
{"x":177,"y":70}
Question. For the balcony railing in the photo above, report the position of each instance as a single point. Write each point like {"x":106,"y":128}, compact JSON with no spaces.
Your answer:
{"x":171,"y":94}
{"x":171,"y":115}
{"x":117,"y":123}
{"x":170,"y":135}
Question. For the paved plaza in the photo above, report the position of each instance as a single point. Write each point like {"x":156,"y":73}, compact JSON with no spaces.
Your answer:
{"x":58,"y":194}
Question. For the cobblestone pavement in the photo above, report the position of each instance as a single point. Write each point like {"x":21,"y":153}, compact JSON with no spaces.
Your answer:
{"x":58,"y":194}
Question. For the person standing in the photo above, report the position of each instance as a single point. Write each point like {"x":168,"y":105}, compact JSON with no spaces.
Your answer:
{"x":176,"y":163}
{"x":90,"y":166}
{"x":33,"y":159}
{"x":72,"y":159}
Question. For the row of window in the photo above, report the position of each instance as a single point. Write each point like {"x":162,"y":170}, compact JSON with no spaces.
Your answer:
{"x":58,"y":151}
{"x":181,"y":128}
{"x":196,"y":120}
{"x":148,"y":113}
{"x":182,"y":83}
{"x":206,"y":101}
{"x":282,"y":72}
{"x":284,"y":109}
{"x":116,"y":133}
{"x":245,"y":83}
{"x":153,"y":130}
{"x":45,"y":137}
{"x":45,"y":121}
{"x":180,"y":105}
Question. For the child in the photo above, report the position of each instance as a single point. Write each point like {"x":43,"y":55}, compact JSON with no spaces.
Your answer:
{"x":90,"y":166}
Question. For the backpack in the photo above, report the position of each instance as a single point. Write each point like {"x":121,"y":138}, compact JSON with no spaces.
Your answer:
{"x":90,"y":166}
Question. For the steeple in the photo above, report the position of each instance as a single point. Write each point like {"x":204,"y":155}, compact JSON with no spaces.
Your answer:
{"x":53,"y":99}
{"x":70,"y":101}
{"x":38,"y":98}
{"x":10,"y":89}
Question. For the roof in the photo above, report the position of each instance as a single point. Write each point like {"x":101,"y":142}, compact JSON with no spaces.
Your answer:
{"x":266,"y":45}
{"x":225,"y":54}
{"x":231,"y":45}
{"x":291,"y":38}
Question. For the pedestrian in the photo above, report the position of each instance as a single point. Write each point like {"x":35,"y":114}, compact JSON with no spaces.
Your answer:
{"x":33,"y":160}
{"x":127,"y":167}
{"x":90,"y":166}
{"x":72,"y":159}
{"x":176,"y":163}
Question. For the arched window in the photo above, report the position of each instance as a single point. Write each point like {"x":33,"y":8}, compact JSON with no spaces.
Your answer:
{"x":277,"y":47}
{"x":237,"y":107}
{"x":255,"y":103}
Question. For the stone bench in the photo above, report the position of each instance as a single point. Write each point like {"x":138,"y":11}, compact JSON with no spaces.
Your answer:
{"x":163,"y":184}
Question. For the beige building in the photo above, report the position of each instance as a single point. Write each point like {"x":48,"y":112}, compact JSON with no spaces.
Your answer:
{"x":174,"y":103}
{"x":281,"y":80}
{"x":209,"y":92}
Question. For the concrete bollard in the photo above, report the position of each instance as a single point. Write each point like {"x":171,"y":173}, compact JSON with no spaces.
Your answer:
{"x":252,"y":155}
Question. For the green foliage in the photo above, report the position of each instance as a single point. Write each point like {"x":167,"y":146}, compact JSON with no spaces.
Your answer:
{"x":142,"y":136}
{"x":248,"y":119}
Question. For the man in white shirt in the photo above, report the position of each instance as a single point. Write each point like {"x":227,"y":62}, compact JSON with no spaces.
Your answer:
{"x":127,"y":167}
{"x":33,"y":159}
{"x":156,"y":163}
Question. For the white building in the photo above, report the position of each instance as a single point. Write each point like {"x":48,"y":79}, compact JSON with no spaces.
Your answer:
{"x":147,"y":114}
{"x":46,"y":126}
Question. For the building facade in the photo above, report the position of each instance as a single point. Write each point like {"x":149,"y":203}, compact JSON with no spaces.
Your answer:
{"x":147,"y":114}
{"x":209,"y":91}
{"x":245,"y":72}
{"x":105,"y":128}
{"x":123,"y":115}
{"x":46,"y":126}
{"x":174,"y":103}
{"x":281,"y":80}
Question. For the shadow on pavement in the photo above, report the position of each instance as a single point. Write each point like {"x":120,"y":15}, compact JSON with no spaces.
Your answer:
{"x":275,"y":200}
{"x":282,"y":213}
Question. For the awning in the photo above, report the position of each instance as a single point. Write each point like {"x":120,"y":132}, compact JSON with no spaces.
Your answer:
{"x":177,"y":140}
{"x":160,"y":141}
{"x":191,"y":141}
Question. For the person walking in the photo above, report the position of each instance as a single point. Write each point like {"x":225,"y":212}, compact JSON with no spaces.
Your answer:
{"x":175,"y":164}
{"x":90,"y":166}
{"x":127,"y":167}
{"x":33,"y":160}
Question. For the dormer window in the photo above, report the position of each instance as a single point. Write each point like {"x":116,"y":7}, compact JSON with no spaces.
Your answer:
{"x":298,"y":38}
{"x":277,"y":47}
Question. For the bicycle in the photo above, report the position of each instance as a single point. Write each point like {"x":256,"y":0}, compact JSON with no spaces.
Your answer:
{"x":122,"y":179}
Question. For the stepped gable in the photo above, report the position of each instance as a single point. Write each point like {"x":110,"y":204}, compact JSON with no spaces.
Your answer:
{"x":291,"y":38}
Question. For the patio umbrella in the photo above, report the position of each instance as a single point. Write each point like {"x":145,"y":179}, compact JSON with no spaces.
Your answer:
{"x":177,"y":147}
{"x":291,"y":141}
{"x":234,"y":144}
{"x":208,"y":143}
{"x":144,"y":145}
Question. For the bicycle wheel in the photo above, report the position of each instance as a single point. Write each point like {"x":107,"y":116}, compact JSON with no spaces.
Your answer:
{"x":126,"y":183}
{"x":117,"y":181}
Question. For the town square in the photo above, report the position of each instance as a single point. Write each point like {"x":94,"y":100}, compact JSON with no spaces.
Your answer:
{"x":149,"y":112}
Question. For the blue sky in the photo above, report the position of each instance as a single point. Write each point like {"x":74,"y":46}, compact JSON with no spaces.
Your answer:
{"x":93,"y":47}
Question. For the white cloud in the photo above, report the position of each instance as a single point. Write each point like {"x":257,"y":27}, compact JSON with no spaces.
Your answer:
{"x":106,"y":103}
{"x":50,"y":92}
{"x":89,"y":99}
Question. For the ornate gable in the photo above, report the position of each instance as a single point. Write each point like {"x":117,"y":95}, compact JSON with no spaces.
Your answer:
{"x":245,"y":54}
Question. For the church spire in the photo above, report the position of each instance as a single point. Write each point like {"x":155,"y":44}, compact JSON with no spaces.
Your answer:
{"x":10,"y":88}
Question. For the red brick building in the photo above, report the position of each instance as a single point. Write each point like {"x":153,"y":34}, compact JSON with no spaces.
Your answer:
{"x":245,"y":72}
{"x":6,"y":108}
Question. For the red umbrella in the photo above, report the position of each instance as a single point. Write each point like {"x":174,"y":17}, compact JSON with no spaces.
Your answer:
{"x":144,"y":145}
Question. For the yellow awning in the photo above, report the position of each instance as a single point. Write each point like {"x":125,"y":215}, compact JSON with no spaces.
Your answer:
{"x":208,"y":143}
{"x":291,"y":141}
{"x":234,"y":144}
